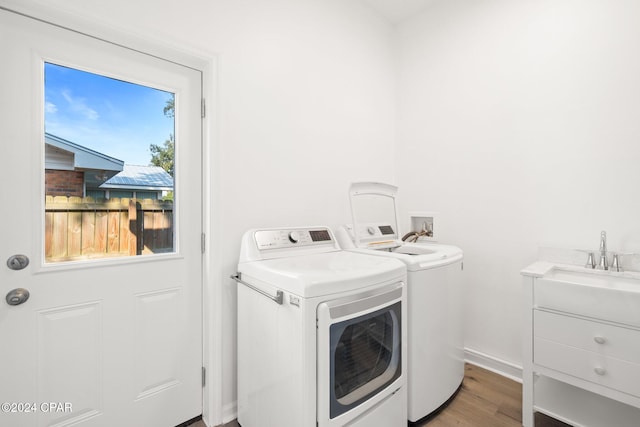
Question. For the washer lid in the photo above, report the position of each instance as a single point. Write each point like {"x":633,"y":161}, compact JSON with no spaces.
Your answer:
{"x":421,"y":256}
{"x":322,"y":273}
{"x":374,"y":214}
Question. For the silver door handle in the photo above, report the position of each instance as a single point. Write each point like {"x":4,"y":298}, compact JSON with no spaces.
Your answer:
{"x":17,"y":296}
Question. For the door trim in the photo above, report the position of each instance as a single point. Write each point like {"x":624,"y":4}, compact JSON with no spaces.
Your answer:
{"x":206,"y":63}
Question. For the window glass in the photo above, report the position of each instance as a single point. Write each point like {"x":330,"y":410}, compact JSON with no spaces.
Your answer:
{"x":109,"y":152}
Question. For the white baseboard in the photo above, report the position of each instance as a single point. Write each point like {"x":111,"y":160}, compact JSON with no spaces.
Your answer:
{"x":493,"y":364}
{"x":229,"y":412}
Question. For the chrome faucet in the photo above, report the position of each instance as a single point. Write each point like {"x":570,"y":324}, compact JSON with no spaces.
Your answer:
{"x":591,"y":261}
{"x":604,"y":257}
{"x":615,"y":264}
{"x":604,"y":263}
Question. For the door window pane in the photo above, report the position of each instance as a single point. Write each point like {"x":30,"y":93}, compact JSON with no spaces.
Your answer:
{"x":109,"y":159}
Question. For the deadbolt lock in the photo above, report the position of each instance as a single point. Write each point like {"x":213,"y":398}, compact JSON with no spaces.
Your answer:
{"x":18,"y":262}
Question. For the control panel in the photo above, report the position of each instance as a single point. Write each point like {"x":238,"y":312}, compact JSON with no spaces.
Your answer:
{"x":374,"y":235}
{"x":369,"y":231}
{"x":291,"y":238}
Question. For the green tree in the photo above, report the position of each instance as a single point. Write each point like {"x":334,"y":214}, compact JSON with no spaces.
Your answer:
{"x":170,"y":108}
{"x":164,"y":155}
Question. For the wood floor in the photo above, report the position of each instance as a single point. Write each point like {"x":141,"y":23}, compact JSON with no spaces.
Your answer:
{"x":485,"y":400}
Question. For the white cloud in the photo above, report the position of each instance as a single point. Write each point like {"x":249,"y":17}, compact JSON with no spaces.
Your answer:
{"x":50,"y":107}
{"x":78,"y":105}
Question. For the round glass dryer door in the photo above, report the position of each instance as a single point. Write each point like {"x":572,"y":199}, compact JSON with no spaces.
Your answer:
{"x":365,"y":357}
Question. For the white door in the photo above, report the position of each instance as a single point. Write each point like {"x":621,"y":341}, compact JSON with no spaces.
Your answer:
{"x":99,"y":342}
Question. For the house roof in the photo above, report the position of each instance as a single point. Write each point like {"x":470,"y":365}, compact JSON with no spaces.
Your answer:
{"x":83,"y":157}
{"x":140,"y":178}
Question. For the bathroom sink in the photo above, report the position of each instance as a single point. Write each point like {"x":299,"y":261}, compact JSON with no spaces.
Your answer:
{"x":591,"y":293}
{"x":598,"y":278}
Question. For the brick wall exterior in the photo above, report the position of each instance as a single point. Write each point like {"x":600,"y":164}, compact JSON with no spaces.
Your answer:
{"x":64,"y":183}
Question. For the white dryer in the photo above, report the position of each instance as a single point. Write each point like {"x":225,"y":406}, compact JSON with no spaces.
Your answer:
{"x":321,"y":333}
{"x":434,"y":296}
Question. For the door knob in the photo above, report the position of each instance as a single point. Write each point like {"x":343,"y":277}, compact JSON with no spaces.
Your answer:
{"x":17,"y":262}
{"x":17,"y":296}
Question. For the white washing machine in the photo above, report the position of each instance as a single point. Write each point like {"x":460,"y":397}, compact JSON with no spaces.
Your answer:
{"x":434,"y":296}
{"x":321,"y":333}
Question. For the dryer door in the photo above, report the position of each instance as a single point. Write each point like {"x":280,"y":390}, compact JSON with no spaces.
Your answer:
{"x":360,"y":353}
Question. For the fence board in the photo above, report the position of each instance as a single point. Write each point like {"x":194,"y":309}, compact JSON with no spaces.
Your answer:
{"x":48,"y":232}
{"x":59,"y":242}
{"x":101,"y":232}
{"x":124,"y":232}
{"x":166,"y":222}
{"x":158,"y":223}
{"x":113,"y":232}
{"x":88,"y":232}
{"x":60,"y":225}
{"x":77,"y":228}
{"x":135,"y":228}
{"x":148,"y":233}
{"x":74,"y":245}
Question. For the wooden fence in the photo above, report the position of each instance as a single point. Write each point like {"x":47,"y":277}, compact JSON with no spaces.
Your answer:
{"x":81,"y":228}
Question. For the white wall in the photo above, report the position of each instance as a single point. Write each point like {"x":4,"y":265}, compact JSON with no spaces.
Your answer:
{"x":306,"y":106}
{"x":519,"y":123}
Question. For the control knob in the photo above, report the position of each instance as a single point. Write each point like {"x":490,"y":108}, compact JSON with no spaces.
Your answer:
{"x":294,"y":237}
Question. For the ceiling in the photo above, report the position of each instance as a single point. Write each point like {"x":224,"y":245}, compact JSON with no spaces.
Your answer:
{"x":398,"y":10}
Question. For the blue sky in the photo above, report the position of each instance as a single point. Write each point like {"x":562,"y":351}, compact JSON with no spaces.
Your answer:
{"x":113,"y":117}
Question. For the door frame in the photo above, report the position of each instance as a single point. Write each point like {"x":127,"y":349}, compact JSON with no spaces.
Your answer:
{"x":206,"y":63}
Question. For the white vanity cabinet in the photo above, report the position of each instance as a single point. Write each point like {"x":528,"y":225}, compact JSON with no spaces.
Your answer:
{"x":581,"y":360}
